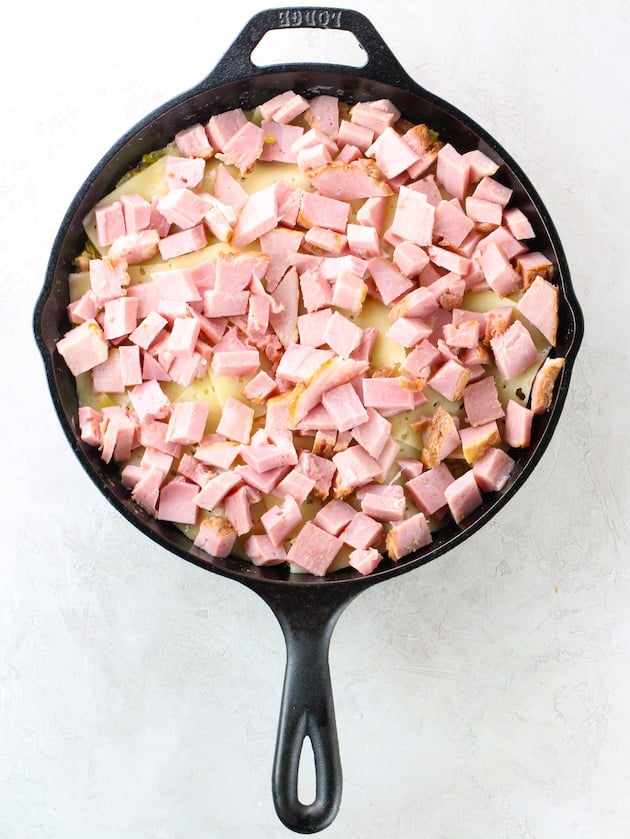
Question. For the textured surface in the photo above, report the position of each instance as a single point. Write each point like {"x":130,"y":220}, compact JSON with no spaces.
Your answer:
{"x":484,"y":695}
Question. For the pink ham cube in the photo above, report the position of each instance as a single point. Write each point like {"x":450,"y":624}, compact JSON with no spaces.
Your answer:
{"x":463,"y":496}
{"x":314,"y":549}
{"x":83,"y":347}
{"x":216,"y":536}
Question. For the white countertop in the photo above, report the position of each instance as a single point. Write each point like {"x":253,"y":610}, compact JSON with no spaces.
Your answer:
{"x":484,"y":696}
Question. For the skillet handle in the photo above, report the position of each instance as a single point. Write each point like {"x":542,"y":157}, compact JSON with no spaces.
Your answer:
{"x":307,"y":616}
{"x":381,"y":63}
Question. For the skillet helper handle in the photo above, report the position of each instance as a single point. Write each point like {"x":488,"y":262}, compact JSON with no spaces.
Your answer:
{"x":236,"y":63}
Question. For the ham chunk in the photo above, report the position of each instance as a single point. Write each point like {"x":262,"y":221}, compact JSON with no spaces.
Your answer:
{"x":514,"y":350}
{"x":281,"y":520}
{"x":427,"y":489}
{"x":492,"y":470}
{"x":364,"y":561}
{"x":518,"y":425}
{"x":539,"y":304}
{"x":463,"y":496}
{"x":544,"y":383}
{"x":216,"y":536}
{"x":481,"y":402}
{"x":314,"y":549}
{"x":414,"y":217}
{"x":350,"y":181}
{"x":83,"y":347}
{"x":408,"y":536}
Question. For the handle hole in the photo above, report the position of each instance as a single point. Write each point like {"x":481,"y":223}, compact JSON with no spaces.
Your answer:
{"x":290,"y":46}
{"x":307,"y":785}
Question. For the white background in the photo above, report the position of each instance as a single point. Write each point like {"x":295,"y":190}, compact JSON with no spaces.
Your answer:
{"x":484,"y":696}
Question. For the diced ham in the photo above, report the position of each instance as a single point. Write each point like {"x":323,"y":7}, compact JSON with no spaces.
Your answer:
{"x":313,"y":158}
{"x":518,"y":224}
{"x":183,"y":172}
{"x":414,"y":217}
{"x":383,"y":502}
{"x":237,"y":508}
{"x":323,"y":114}
{"x":477,"y":439}
{"x":355,"y":467}
{"x":539,"y":304}
{"x":213,"y":493}
{"x":284,"y":107}
{"x":518,"y":424}
{"x":444,"y":258}
{"x":409,"y":331}
{"x":362,"y":532}
{"x":481,"y":402}
{"x":453,"y":171}
{"x":389,"y":281}
{"x":334,"y":372}
{"x":228,"y":190}
{"x":463,"y":496}
{"x":279,"y":521}
{"x":278,"y":139}
{"x":146,"y":490}
{"x":110,"y":223}
{"x":349,"y":292}
{"x":185,"y":241}
{"x":498,"y":271}
{"x":483,"y":212}
{"x":183,"y":336}
{"x":441,"y":438}
{"x":408,"y":536}
{"x":187,"y":422}
{"x":108,"y":278}
{"x":514,"y":350}
{"x":450,"y":380}
{"x":243,"y":148}
{"x":344,"y":407}
{"x":531,"y":265}
{"x":236,"y":420}
{"x":183,"y":207}
{"x":465,"y":334}
{"x":373,"y":434}
{"x":235,"y":363}
{"x":314,"y":549}
{"x":149,"y":401}
{"x":218,"y":304}
{"x":387,"y":395}
{"x":480,"y":165}
{"x":317,"y":210}
{"x":176,"y":502}
{"x":296,"y":484}
{"x":193,"y":142}
{"x":284,"y":317}
{"x":260,"y":550}
{"x":451,"y":224}
{"x":391,"y":153}
{"x":492,"y":470}
{"x":364,"y":561}
{"x":544,"y":383}
{"x":427,"y":489}
{"x":258,"y":216}
{"x":490,"y":189}
{"x":260,"y":387}
{"x":83,"y":347}
{"x":107,"y":376}
{"x":216,"y":536}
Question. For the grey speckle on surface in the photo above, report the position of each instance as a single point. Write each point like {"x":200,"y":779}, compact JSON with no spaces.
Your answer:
{"x":484,"y":695}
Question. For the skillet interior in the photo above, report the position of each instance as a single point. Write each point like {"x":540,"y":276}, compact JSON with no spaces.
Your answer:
{"x":416,"y":105}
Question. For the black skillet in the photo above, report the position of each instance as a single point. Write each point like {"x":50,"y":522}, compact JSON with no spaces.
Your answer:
{"x":306,"y":607}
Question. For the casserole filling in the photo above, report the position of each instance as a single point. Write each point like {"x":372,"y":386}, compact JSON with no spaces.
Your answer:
{"x":312,"y":333}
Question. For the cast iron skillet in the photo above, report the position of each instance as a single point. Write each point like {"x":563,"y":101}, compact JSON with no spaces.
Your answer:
{"x":306,"y":607}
